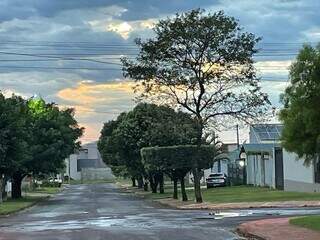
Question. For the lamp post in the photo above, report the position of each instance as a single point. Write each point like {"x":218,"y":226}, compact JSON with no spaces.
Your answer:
{"x":242,"y":163}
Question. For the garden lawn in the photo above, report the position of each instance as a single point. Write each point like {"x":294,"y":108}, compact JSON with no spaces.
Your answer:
{"x":239,"y":194}
{"x":254,"y":194}
{"x":11,"y":206}
{"x":311,"y":222}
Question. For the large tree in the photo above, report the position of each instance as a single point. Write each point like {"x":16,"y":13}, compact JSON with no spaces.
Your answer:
{"x":13,"y":137}
{"x":36,"y":137}
{"x":202,"y":63}
{"x":145,"y":126}
{"x":301,"y":115}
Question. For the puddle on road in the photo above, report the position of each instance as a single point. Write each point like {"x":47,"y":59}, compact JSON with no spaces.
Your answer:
{"x":217,"y":215}
{"x":56,"y":214}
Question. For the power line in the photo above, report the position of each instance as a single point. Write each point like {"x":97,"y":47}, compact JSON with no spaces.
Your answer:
{"x":62,"y":68}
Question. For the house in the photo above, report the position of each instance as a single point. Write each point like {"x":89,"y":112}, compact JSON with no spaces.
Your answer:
{"x":269,"y":164}
{"x":220,"y":164}
{"x":87,"y":164}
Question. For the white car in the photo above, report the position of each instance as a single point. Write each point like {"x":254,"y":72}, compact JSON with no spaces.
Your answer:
{"x":217,"y":180}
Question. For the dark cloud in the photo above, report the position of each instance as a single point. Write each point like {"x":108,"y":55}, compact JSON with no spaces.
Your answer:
{"x":35,"y":26}
{"x":136,"y":9}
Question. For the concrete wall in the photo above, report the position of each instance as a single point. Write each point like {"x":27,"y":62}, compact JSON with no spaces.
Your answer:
{"x":88,"y":152}
{"x":297,"y":176}
{"x":96,"y":174}
{"x":297,"y":186}
{"x":294,"y":169}
{"x":73,"y":167}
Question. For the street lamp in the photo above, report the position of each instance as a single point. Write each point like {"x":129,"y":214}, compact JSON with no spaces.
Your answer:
{"x":242,"y":163}
{"x":242,"y":154}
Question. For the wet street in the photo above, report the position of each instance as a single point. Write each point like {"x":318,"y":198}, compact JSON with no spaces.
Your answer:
{"x":101,"y":211}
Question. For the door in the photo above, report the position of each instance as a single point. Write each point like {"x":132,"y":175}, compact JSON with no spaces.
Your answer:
{"x":279,"y":168}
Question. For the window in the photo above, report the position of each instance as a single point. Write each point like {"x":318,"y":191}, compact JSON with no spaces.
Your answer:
{"x":84,"y":150}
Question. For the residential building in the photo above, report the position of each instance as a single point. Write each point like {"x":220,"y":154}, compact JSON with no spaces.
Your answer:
{"x":269,"y":164}
{"x":87,"y":163}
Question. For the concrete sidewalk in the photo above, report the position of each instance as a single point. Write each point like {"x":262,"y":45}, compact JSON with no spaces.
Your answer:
{"x":238,"y":205}
{"x":276,"y":229}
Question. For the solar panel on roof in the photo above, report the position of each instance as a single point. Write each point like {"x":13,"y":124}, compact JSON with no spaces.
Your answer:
{"x":268,"y":132}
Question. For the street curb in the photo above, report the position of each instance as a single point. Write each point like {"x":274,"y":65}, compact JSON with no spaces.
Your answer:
{"x":244,"y":233}
{"x":26,"y":207}
{"x":42,"y":199}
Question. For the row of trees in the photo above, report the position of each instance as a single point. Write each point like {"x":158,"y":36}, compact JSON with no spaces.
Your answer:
{"x":177,"y":161}
{"x":35,"y":138}
{"x":126,"y":144}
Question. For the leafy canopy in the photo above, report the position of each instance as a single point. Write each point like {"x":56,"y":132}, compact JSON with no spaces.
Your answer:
{"x":301,"y":115}
{"x":177,"y":157}
{"x":14,"y":136}
{"x":35,"y":137}
{"x":146,"y":125}
{"x":202,"y":63}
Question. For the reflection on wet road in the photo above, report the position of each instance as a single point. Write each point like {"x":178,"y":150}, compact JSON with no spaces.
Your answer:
{"x":101,"y":211}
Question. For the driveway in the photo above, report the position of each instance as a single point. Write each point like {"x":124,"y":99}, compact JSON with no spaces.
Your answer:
{"x":101,"y":211}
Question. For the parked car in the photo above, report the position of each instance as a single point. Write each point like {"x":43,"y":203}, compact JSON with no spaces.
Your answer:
{"x":217,"y":180}
{"x":55,"y":180}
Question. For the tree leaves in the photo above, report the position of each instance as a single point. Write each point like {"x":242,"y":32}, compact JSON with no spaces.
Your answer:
{"x":301,"y":115}
{"x":202,"y":63}
{"x":35,"y":136}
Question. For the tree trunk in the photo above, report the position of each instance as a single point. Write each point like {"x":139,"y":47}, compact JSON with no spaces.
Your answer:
{"x":3,"y":192}
{"x":195,"y":169}
{"x":183,"y":190}
{"x":1,"y":187}
{"x":156,"y":182}
{"x":161,"y":183}
{"x":140,"y":182}
{"x":146,"y":186}
{"x":152,"y":183}
{"x":16,"y":186}
{"x":133,"y":182}
{"x":175,"y":188}
{"x":197,"y":185}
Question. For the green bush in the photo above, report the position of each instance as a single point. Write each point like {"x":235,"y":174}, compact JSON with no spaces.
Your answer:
{"x":177,"y":157}
{"x":50,"y":184}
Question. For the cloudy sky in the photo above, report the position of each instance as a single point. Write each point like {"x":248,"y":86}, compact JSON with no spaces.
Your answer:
{"x":68,"y":51}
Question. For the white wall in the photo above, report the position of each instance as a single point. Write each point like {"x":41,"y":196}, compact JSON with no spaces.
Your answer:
{"x":92,"y":150}
{"x":260,"y":172}
{"x":294,"y":169}
{"x":74,"y":174}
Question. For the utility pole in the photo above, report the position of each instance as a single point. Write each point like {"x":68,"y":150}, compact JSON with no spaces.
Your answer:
{"x":238,"y":143}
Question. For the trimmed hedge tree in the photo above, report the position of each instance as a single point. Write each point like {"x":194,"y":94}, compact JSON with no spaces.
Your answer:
{"x":177,"y":161}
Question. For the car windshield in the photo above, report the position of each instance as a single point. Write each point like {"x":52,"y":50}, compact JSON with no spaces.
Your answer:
{"x":216,"y":175}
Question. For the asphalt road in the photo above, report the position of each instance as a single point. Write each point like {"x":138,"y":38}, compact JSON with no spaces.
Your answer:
{"x":101,"y":211}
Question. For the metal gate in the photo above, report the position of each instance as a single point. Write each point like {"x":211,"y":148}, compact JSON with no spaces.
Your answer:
{"x":279,"y":168}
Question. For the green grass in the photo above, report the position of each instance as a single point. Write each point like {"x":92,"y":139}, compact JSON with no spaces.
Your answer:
{"x":47,"y":190}
{"x":11,"y":206}
{"x":241,"y":194}
{"x":311,"y":222}
{"x":254,"y":194}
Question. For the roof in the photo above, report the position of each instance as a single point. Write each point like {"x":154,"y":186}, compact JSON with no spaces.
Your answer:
{"x":256,"y":148}
{"x":267,"y":132}
{"x":231,"y":156}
